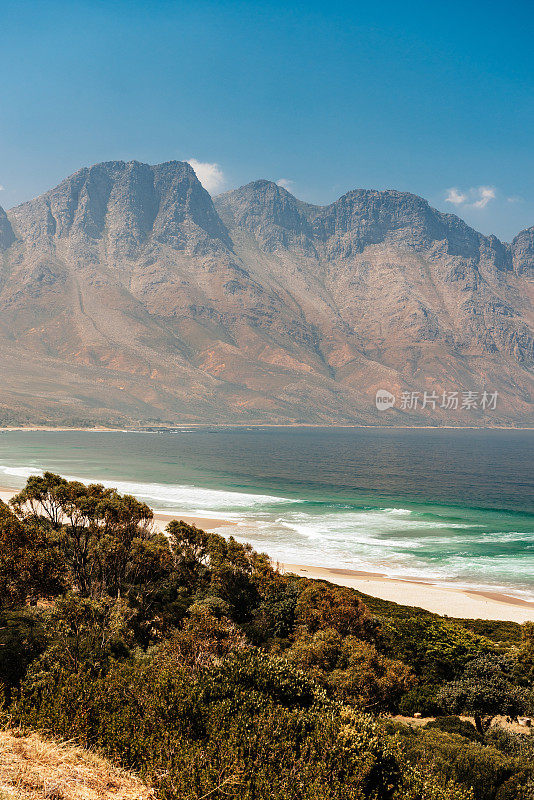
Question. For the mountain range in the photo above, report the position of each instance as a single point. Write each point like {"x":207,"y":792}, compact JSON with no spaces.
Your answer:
{"x":129,"y":296}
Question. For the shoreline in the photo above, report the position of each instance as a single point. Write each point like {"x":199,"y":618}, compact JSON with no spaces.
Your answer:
{"x":447,"y":601}
{"x":259,"y":425}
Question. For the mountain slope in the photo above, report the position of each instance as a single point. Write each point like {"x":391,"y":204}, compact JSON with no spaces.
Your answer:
{"x":127,"y":295}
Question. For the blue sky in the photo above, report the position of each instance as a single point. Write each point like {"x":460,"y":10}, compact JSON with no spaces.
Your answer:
{"x":427,"y":97}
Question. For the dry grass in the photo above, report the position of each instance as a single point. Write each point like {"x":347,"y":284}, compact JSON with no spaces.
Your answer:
{"x":33,"y":768}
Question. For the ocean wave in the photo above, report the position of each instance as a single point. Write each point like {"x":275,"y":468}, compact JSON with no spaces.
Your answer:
{"x":396,"y":564}
{"x":379,"y":522}
{"x":195,"y":498}
{"x":184,"y":497}
{"x":20,"y":472}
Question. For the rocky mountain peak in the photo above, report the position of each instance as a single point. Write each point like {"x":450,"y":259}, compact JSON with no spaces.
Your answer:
{"x":365,"y":217}
{"x":268,"y":211}
{"x":358,"y":219}
{"x":128,"y":203}
{"x":523,"y":253}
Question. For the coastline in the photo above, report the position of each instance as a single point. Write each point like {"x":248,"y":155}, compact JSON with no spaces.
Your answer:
{"x":259,"y":425}
{"x":444,"y":600}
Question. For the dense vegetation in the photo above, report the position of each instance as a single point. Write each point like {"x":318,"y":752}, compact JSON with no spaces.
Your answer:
{"x":189,"y":658}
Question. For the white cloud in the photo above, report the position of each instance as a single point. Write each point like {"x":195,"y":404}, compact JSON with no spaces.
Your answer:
{"x":285,"y":183}
{"x":476,"y":197}
{"x":2,"y":188}
{"x":514,"y":199}
{"x":210,"y":176}
{"x":485,"y":194}
{"x":455,"y":196}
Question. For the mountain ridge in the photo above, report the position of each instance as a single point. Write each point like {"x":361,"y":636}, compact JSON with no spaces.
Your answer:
{"x":129,"y":295}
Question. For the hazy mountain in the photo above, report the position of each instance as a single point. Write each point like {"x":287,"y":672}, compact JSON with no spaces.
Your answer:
{"x":128,"y":295}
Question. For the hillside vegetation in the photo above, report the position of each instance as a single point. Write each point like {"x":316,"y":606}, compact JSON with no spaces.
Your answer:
{"x":189,"y":659}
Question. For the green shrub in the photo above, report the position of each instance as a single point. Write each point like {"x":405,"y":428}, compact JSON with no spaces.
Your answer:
{"x":420,"y":700}
{"x":22,"y":640}
{"x":253,"y":728}
{"x":352,"y":670}
{"x":436,"y":650}
{"x":512,"y":744}
{"x":455,"y":725}
{"x":469,"y":763}
{"x":321,"y":605}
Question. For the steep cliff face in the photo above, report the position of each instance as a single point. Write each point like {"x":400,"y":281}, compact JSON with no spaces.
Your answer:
{"x":127,"y":294}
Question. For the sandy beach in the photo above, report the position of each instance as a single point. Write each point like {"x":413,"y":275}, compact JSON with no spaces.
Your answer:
{"x":206,"y":523}
{"x":448,"y":601}
{"x":466,"y":604}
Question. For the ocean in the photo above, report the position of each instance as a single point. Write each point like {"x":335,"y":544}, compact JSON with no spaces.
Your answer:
{"x":452,"y":506}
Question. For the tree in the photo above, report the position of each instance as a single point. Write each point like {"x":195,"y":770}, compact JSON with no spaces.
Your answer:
{"x":220,"y":567}
{"x":83,"y":632}
{"x":435,"y":649}
{"x":30,"y":563}
{"x":42,"y":496}
{"x":206,"y":638}
{"x":190,"y":549}
{"x":484,"y":690}
{"x":275,"y":616}
{"x":14,"y":567}
{"x":22,"y":640}
{"x":107,"y":542}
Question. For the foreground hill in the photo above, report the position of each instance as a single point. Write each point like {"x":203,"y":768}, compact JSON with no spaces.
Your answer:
{"x":190,"y":659}
{"x":127,"y":295}
{"x":34,"y":768}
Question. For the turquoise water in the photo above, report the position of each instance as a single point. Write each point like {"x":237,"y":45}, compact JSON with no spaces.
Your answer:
{"x":456,"y":507}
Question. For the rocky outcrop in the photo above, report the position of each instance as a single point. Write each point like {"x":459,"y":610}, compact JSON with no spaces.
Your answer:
{"x":128,"y":295}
